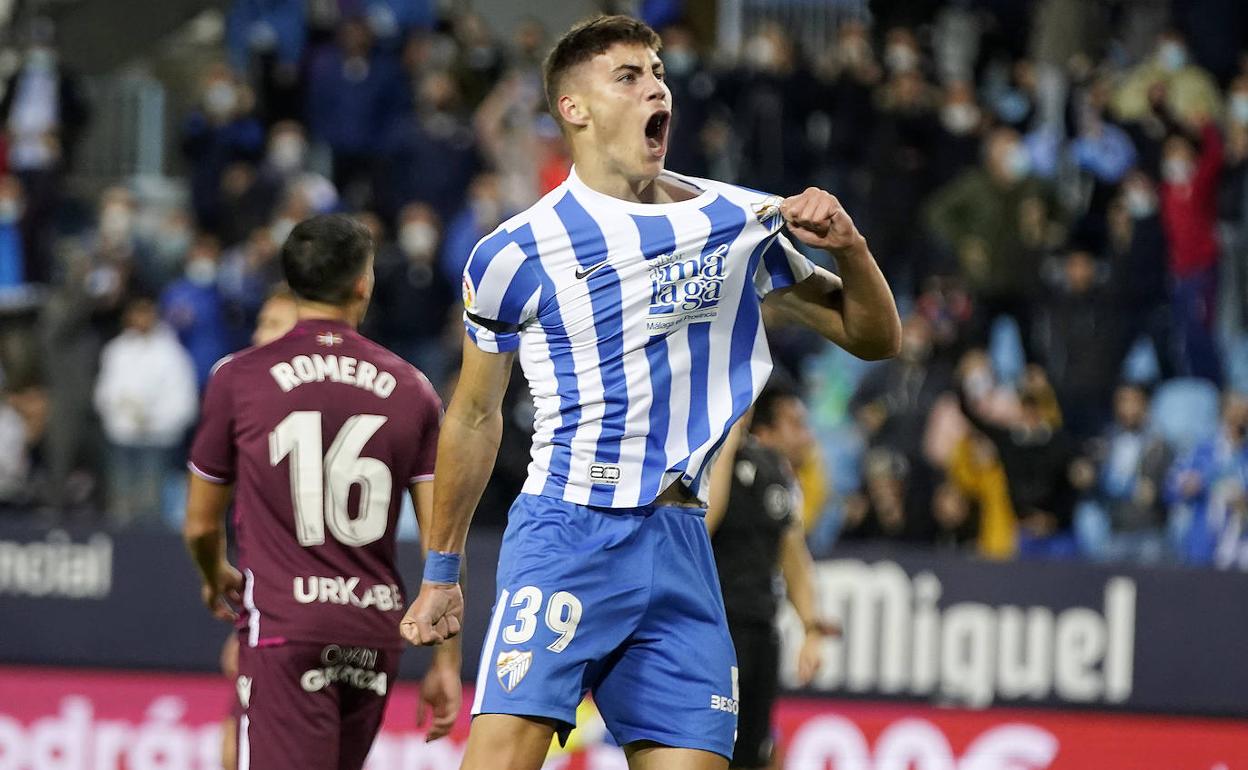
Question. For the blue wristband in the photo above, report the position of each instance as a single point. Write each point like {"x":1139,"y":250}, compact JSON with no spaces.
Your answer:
{"x":442,"y":567}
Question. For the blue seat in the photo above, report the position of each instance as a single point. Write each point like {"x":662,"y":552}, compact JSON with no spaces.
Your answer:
{"x":1185,"y":411}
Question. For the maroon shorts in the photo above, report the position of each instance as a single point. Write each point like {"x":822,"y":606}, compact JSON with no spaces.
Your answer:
{"x":306,"y":706}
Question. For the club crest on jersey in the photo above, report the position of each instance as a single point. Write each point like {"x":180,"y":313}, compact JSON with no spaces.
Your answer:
{"x":767,"y":211}
{"x":511,"y":667}
{"x":328,"y":339}
{"x":470,"y":296}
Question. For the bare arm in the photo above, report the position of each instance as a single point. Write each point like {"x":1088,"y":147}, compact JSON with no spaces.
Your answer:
{"x":798,"y":569}
{"x":467,"y":448}
{"x":855,"y":310}
{"x":203,"y":531}
{"x":721,"y":476}
{"x":441,"y":691}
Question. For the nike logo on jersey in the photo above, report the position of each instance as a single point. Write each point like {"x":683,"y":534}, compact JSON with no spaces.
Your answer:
{"x":582,"y":274}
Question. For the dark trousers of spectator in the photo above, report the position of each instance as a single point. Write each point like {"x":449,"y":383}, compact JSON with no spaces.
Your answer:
{"x":353,"y":176}
{"x":1017,"y":306}
{"x":1193,"y":300}
{"x":136,"y":480}
{"x":42,"y":191}
{"x":1155,"y":323}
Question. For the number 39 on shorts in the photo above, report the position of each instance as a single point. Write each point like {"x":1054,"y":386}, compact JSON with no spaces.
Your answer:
{"x":563,"y":615}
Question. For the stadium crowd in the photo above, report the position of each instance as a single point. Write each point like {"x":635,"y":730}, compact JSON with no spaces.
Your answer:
{"x":1057,"y":191}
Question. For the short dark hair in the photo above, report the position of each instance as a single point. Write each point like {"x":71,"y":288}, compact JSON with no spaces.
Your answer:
{"x":767,"y":405}
{"x":323,"y":257}
{"x":586,"y":40}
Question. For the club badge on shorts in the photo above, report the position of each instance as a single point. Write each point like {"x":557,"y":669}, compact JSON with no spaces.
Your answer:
{"x":511,"y":667}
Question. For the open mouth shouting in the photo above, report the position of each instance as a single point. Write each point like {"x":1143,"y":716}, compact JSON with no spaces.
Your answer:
{"x":656,"y":133}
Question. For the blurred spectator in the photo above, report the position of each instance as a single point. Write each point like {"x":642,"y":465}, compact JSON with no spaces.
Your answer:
{"x":695,"y":88}
{"x":265,"y":42}
{"x":355,"y":92}
{"x":1190,"y":172}
{"x":956,"y":517}
{"x":221,"y":130}
{"x":771,"y":101}
{"x":246,"y":274}
{"x":477,"y":219}
{"x":958,"y":137}
{"x":412,"y":296}
{"x":1079,"y":338}
{"x":1122,"y":515}
{"x":1190,"y":92}
{"x":975,"y":470}
{"x":881,"y":510}
{"x":1205,"y":487}
{"x":1036,"y":454}
{"x":904,"y":136}
{"x":894,"y":399}
{"x":997,"y":219}
{"x":12,"y":256}
{"x":194,"y":309}
{"x":1233,"y":209}
{"x":44,"y":113}
{"x":431,"y":155}
{"x":14,"y":457}
{"x":1139,"y":268}
{"x":146,"y":399}
{"x":480,"y":60}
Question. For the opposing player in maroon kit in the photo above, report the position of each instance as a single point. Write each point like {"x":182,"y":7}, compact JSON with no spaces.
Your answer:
{"x":315,"y":436}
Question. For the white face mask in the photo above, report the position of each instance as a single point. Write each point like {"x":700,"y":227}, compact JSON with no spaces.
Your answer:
{"x":10,"y":211}
{"x":901,"y":58}
{"x":280,"y":230}
{"x":1140,"y":202}
{"x":1018,"y":162}
{"x":1173,"y":56}
{"x":1177,"y":170}
{"x":201,"y":272}
{"x":418,"y":239}
{"x":1239,"y":108}
{"x":761,"y":53}
{"x":115,"y":223}
{"x":960,"y":118}
{"x":286,"y":153}
{"x":220,"y":99}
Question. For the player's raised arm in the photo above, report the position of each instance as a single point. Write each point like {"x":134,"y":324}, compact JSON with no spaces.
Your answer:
{"x":467,"y":448}
{"x":855,"y":310}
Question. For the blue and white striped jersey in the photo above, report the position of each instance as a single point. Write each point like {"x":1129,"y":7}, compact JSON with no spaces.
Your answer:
{"x":638,"y":327}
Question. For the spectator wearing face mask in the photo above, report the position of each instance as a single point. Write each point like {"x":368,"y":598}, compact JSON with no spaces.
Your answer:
{"x":1191,"y":165}
{"x":1190,"y":90}
{"x":1233,"y":209}
{"x":695,"y":88}
{"x":220,"y":131}
{"x":958,"y":137}
{"x":431,"y":155}
{"x":477,"y":219}
{"x":412,"y":296}
{"x":12,"y":259}
{"x":43,"y":113}
{"x":355,"y":92}
{"x":997,"y":220}
{"x":1079,"y":337}
{"x":193,"y":307}
{"x":1138,"y":259}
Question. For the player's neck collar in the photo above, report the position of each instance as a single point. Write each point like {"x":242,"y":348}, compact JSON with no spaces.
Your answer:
{"x":590,"y":195}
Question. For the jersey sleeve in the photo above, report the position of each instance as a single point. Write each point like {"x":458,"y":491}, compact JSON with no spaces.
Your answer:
{"x":212,"y":451}
{"x":426,"y":423}
{"x":501,"y":290}
{"x":781,"y":266}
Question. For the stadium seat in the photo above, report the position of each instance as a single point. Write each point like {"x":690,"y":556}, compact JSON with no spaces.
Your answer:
{"x":1185,"y":410}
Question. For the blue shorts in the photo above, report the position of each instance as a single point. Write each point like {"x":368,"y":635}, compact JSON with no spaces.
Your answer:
{"x":623,"y":603}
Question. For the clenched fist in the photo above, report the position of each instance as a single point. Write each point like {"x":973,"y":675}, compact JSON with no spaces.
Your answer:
{"x":816,"y":218}
{"x":435,"y":616}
